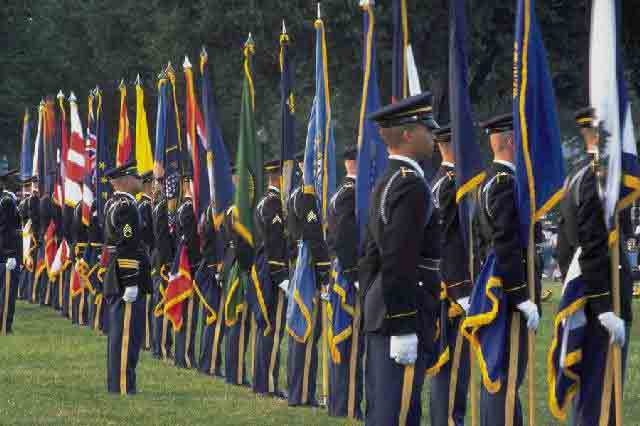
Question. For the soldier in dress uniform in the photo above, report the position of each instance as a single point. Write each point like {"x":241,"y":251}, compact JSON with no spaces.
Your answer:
{"x":208,"y":279}
{"x":303,"y":224}
{"x":498,"y":231}
{"x":345,"y":373}
{"x":145,"y":208}
{"x":399,"y":271}
{"x":126,"y":282}
{"x":30,"y":248}
{"x":162,"y":255}
{"x":582,"y":227}
{"x":187,"y":234}
{"x":271,"y":251}
{"x":447,"y":406}
{"x":10,"y":246}
{"x":50,"y":219}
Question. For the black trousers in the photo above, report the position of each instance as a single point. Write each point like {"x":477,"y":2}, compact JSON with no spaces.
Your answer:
{"x":591,"y":399}
{"x":8,"y":295}
{"x":236,"y":342}
{"x":346,"y":377}
{"x":302,"y":364}
{"x":393,"y":391}
{"x":126,"y":332}
{"x":444,"y":402}
{"x":493,"y":406}
{"x":267,"y":357}
{"x":185,"y":338}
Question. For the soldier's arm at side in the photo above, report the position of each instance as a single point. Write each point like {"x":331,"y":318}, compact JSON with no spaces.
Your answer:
{"x":593,"y":238}
{"x":506,"y":240}
{"x":274,"y":239}
{"x":401,"y":242}
{"x":313,"y":235}
{"x":346,"y":235}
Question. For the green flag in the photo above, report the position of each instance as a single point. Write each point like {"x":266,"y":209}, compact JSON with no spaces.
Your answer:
{"x":249,"y":186}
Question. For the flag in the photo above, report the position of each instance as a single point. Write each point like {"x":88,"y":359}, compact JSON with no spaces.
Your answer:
{"x":469,"y":168}
{"x":609,"y":98}
{"x":102,"y":188}
{"x":372,"y":154}
{"x":218,"y":167}
{"x":74,"y":161}
{"x":318,"y":178}
{"x":485,"y":325}
{"x":160,"y":153}
{"x":340,"y":310}
{"x":197,"y":144}
{"x":287,"y":120}
{"x":399,"y":86}
{"x":173,"y":150}
{"x":26,"y":149}
{"x":88,"y":186}
{"x":564,"y":358}
{"x":50,"y":249}
{"x":124,"y":148}
{"x":247,"y":164}
{"x":49,"y":148}
{"x":60,"y":147}
{"x":38,"y":148}
{"x":180,"y":287}
{"x":144,"y":159}
{"x":539,"y":161}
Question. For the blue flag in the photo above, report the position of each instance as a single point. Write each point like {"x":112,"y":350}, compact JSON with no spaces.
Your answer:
{"x":539,"y":161}
{"x":319,"y":177}
{"x":217,"y":156}
{"x":287,"y":114}
{"x":26,"y":150}
{"x":160,"y":154}
{"x":372,"y":154}
{"x":103,"y":189}
{"x":469,"y":167}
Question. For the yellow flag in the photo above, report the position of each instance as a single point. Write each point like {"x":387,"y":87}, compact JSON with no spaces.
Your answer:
{"x":144,"y":158}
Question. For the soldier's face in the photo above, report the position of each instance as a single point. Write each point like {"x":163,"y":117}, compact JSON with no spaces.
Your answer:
{"x":421,"y":141}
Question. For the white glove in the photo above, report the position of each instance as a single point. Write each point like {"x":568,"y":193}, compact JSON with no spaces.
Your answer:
{"x":130,"y":294}
{"x":11,"y":263}
{"x":530,"y":310}
{"x":324,"y":294}
{"x":404,"y":349}
{"x":357,"y":285}
{"x":284,"y":286}
{"x":614,"y":325}
{"x":464,"y":303}
{"x":637,"y":230}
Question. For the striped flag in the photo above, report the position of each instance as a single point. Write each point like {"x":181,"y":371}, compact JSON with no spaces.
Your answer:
{"x":74,"y":166}
{"x":88,"y":187}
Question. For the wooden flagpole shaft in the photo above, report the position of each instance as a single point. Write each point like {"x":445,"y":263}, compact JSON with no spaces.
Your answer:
{"x":615,"y":293}
{"x":473,"y":383}
{"x":531,"y":349}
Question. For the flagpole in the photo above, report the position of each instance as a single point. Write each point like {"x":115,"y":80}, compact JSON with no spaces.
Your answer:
{"x":473,"y":382}
{"x":615,"y":292}
{"x":531,"y":335}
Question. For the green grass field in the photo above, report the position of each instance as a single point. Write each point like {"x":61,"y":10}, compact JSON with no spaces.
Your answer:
{"x":54,"y":373}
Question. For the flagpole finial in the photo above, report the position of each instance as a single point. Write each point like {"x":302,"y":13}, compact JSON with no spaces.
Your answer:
{"x":284,"y":27}
{"x":249,"y":40}
{"x":186,"y":64}
{"x":169,"y":69}
{"x":138,"y":80}
{"x":121,"y":85}
{"x":72,"y":97}
{"x":97,"y":90}
{"x":203,"y":52}
{"x":319,"y":14}
{"x":367,"y":3}
{"x":60,"y":95}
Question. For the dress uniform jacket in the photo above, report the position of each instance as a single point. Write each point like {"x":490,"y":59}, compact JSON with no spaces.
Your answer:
{"x":582,"y":225}
{"x":271,"y":240}
{"x":342,"y":235}
{"x":145,"y":209}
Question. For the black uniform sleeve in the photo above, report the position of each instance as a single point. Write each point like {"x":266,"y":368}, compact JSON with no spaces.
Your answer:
{"x":345,"y":235}
{"x":593,"y":238}
{"x":307,"y":212}
{"x":506,"y":238}
{"x":146,"y":223}
{"x":275,"y":243}
{"x":8,"y":227}
{"x":400,"y":250}
{"x":163,"y":252}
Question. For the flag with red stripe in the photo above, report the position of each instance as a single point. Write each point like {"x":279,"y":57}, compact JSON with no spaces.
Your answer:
{"x":125,"y":143}
{"x":88,"y":186}
{"x":180,"y":287}
{"x":74,"y":167}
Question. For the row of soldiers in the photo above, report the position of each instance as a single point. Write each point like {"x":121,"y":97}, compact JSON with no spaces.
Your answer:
{"x":412,"y":284}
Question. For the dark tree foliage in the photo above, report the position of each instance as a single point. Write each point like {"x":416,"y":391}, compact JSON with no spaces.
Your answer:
{"x":51,"y":45}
